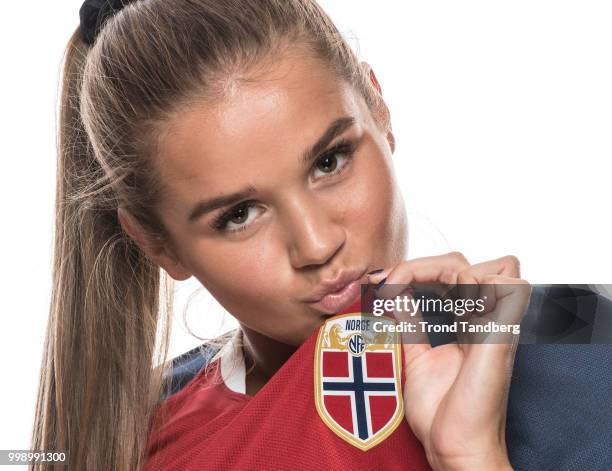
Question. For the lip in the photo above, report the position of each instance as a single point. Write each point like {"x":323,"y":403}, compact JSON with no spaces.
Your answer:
{"x":335,"y":294}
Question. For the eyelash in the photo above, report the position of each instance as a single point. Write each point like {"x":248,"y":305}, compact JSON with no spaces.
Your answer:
{"x":342,"y":147}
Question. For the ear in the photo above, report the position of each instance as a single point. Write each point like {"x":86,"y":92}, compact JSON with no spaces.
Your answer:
{"x":383,"y":113}
{"x":373,"y":78}
{"x":160,"y":255}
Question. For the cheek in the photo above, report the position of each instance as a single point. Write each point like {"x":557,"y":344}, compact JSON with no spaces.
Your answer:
{"x":375,"y":214}
{"x":253,"y":284}
{"x":373,"y":200}
{"x":239,"y":275}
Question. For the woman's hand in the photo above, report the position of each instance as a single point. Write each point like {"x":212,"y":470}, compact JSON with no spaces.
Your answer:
{"x":456,"y":394}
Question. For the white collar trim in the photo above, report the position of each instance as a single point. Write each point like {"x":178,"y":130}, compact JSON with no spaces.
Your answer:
{"x":232,"y":365}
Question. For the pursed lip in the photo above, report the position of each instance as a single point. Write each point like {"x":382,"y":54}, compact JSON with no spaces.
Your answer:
{"x":333,"y":295}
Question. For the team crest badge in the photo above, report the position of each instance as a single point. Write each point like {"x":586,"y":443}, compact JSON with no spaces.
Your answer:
{"x":357,"y":376}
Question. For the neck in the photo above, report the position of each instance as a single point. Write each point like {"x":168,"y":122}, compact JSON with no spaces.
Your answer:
{"x":263,"y":358}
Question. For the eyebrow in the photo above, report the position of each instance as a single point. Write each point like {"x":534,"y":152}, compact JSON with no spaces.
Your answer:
{"x":336,"y":128}
{"x":207,"y":206}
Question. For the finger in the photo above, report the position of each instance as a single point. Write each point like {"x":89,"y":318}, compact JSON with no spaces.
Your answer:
{"x":490,"y":362}
{"x":436,"y":269}
{"x":504,"y":266}
{"x":510,"y":298}
{"x":471,"y":279}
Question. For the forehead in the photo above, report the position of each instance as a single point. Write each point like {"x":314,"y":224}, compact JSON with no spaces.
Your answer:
{"x":260,"y":122}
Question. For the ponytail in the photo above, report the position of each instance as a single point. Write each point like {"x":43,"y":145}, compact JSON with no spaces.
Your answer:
{"x":98,"y":384}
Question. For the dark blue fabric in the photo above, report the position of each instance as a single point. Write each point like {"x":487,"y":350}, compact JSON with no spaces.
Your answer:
{"x":560,"y":403}
{"x":184,"y":367}
{"x":560,"y":408}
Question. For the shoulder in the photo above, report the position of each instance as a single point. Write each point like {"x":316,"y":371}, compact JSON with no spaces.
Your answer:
{"x":561,"y":381}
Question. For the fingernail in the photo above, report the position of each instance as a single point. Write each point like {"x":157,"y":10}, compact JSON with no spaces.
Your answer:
{"x":374,"y":272}
{"x":380,"y":283}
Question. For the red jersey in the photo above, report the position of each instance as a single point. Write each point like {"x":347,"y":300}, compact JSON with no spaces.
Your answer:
{"x":212,"y":425}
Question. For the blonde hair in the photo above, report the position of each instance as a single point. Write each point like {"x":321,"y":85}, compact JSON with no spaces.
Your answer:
{"x":110,"y":303}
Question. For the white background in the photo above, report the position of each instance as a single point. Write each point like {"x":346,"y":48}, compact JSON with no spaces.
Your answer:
{"x":502,"y":113}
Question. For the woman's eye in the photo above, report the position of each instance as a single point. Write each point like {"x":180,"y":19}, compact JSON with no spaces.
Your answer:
{"x":332,"y":162}
{"x":237,"y":218}
{"x":239,"y":215}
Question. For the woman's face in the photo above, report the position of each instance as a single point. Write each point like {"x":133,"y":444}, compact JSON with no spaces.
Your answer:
{"x":280,"y":196}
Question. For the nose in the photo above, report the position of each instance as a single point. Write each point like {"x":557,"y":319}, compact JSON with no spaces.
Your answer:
{"x":315,"y":235}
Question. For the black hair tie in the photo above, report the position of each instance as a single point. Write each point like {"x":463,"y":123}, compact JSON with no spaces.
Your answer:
{"x":93,"y":14}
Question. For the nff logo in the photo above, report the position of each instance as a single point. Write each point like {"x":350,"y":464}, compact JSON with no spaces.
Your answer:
{"x":356,"y":345}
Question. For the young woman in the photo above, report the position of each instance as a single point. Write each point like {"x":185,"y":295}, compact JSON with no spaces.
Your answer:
{"x":241,"y":142}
